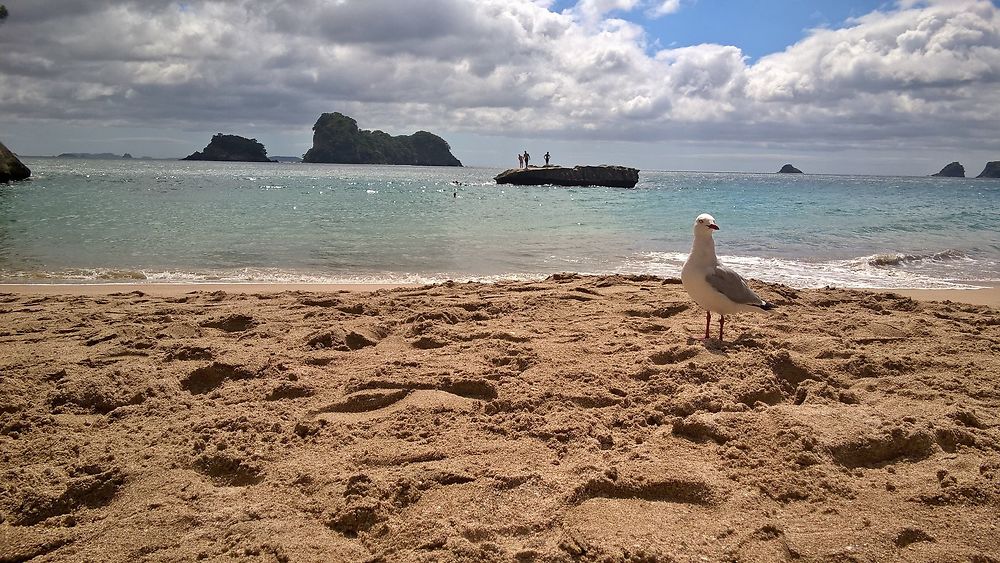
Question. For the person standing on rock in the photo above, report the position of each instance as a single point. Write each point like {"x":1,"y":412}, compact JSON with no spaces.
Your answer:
{"x":546,"y":156}
{"x":520,"y":160}
{"x":527,"y":157}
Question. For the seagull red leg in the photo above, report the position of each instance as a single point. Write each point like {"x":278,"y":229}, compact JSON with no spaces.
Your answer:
{"x":708,"y":323}
{"x":722,"y":321}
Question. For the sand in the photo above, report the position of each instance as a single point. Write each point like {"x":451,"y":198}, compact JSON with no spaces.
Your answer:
{"x":570,"y":419}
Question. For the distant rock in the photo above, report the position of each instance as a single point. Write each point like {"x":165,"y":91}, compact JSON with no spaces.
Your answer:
{"x":91,"y":155}
{"x":231,"y":148}
{"x":789,"y":169}
{"x":337,"y":139}
{"x":992,"y":170}
{"x":11,"y":169}
{"x":126,"y":156}
{"x":610,"y":176}
{"x":953,"y":170}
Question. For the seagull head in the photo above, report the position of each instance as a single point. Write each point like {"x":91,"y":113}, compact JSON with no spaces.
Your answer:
{"x":705,"y":224}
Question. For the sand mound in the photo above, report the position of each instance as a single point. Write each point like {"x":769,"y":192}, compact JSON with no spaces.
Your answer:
{"x":570,"y":419}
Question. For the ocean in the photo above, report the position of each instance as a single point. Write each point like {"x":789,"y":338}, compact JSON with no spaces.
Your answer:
{"x":111,"y":221}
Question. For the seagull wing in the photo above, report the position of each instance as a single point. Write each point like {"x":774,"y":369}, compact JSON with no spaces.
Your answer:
{"x":734,"y":287}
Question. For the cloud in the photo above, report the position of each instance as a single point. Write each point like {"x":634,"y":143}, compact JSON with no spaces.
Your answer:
{"x":664,"y":7}
{"x":924,"y":69}
{"x":512,"y":67}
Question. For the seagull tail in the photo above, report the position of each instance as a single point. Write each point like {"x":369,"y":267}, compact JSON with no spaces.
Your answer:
{"x":764,"y":305}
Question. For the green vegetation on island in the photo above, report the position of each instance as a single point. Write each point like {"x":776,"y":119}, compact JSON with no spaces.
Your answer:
{"x":231,"y":148}
{"x":337,"y":139}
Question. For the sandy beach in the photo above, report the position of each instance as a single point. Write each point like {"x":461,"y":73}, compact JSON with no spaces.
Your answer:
{"x":576,"y":418}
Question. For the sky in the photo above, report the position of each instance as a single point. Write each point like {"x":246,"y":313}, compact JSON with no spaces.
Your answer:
{"x":832,"y":86}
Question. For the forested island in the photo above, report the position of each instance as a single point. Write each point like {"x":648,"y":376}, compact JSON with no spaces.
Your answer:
{"x":231,"y":148}
{"x":337,"y":139}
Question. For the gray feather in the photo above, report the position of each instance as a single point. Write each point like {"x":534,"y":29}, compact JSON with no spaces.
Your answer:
{"x":730,"y":284}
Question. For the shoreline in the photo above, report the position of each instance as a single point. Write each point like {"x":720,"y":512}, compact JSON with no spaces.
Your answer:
{"x":175,"y":289}
{"x":989,"y":296}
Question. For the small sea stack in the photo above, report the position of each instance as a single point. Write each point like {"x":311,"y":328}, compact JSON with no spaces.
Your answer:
{"x":992,"y":170}
{"x":608,"y":176}
{"x":953,"y":170}
{"x":789,"y":169}
{"x":11,"y":169}
{"x":231,"y":148}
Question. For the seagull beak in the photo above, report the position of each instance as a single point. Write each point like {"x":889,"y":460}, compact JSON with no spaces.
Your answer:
{"x":713,"y":226}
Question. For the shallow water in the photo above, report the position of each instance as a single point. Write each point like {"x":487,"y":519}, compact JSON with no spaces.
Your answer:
{"x":89,"y":220}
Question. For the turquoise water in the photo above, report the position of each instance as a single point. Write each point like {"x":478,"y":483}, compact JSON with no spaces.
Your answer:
{"x":108,"y":221}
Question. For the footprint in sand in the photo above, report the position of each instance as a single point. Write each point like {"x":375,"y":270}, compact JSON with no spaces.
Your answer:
{"x":231,"y":323}
{"x":210,"y":377}
{"x":450,"y":394}
{"x":677,"y":489}
{"x":225,"y":470}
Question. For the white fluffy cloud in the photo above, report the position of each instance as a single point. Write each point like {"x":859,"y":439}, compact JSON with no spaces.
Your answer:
{"x":919,"y":69}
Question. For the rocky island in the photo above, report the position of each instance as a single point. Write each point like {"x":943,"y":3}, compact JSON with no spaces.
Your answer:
{"x":231,"y":148}
{"x":992,"y":170}
{"x":11,"y":169}
{"x":789,"y":169}
{"x":94,"y":155}
{"x":953,"y":170}
{"x":610,"y":176}
{"x":337,"y":139}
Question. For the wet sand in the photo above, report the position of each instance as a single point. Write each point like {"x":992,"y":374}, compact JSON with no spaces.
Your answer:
{"x":986,"y":296}
{"x":571,"y":419}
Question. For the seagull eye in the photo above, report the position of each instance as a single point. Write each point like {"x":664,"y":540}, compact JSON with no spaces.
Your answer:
{"x":701,"y":220}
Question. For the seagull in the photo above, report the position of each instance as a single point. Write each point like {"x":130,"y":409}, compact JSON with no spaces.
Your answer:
{"x":711,"y":285}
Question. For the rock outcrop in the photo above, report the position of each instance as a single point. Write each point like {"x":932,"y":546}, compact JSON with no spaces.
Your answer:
{"x":231,"y":148}
{"x":992,"y":170}
{"x":610,"y":176}
{"x":789,"y":169}
{"x":11,"y":169}
{"x":953,"y":170}
{"x":337,"y":139}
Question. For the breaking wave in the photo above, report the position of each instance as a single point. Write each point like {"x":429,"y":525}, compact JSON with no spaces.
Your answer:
{"x":900,"y":259}
{"x":941,"y":270}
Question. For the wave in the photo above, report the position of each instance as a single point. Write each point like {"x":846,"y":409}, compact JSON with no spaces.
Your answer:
{"x":899,"y":259}
{"x":248,"y":276}
{"x":951,"y":270}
